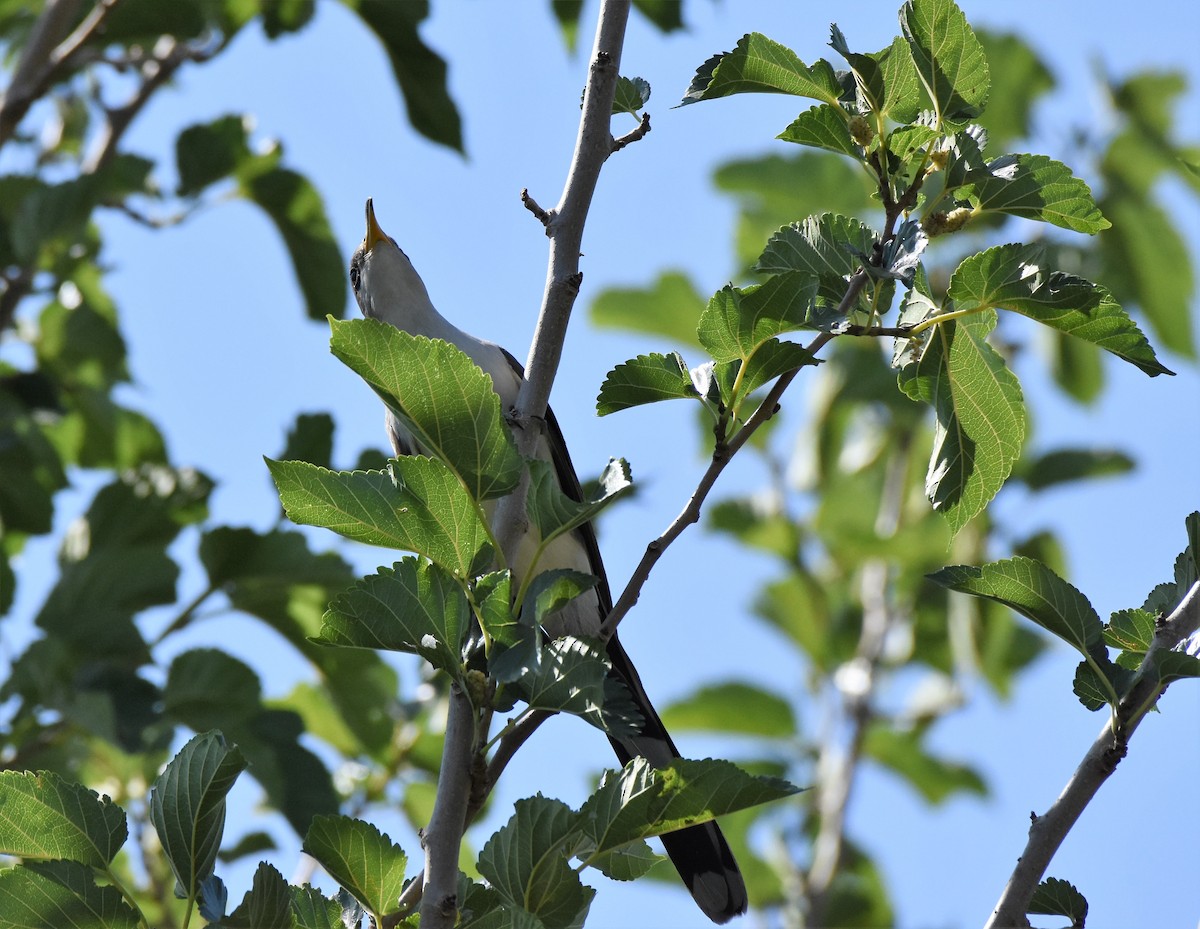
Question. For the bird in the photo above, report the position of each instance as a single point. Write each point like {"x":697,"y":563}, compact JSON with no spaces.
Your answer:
{"x":388,"y":288}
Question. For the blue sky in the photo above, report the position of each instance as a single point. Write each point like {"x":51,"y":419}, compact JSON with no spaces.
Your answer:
{"x":224,"y":359}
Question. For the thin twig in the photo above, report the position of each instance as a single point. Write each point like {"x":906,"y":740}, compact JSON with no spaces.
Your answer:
{"x":532,"y":206}
{"x":36,"y":67}
{"x":1048,"y":831}
{"x":690,"y":514}
{"x":633,"y":135}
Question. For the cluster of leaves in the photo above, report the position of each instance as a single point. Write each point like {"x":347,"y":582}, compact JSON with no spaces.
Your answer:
{"x":903,"y":132}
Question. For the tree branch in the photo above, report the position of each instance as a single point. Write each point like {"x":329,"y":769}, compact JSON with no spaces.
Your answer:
{"x":1048,"y":831}
{"x":36,"y":67}
{"x":564,"y":226}
{"x":721,"y":457}
{"x":443,"y":836}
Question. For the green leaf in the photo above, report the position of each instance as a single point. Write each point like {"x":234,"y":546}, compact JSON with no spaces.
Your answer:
{"x":758,"y":524}
{"x":645,"y":379}
{"x":1034,"y":187}
{"x":415,"y":606}
{"x":1014,"y":277}
{"x":760,"y":65}
{"x":294,"y":205}
{"x":313,"y":910}
{"x":739,"y":320}
{"x":1174,"y":666}
{"x":361,"y":859}
{"x":768,"y":362}
{"x":631,"y":96}
{"x":526,"y":861}
{"x":1019,"y":78}
{"x":948,"y":56}
{"x":207,"y":152}
{"x":733,"y":707}
{"x":267,"y":905}
{"x":1037,"y":593}
{"x":980,"y":416}
{"x":311,"y":440}
{"x":627,"y":863}
{"x":665,"y":15}
{"x":641,"y":801}
{"x":551,"y":590}
{"x":44,"y":816}
{"x":187,"y":807}
{"x":823,"y":126}
{"x":209,"y":689}
{"x":1130,"y":630}
{"x":1074,"y":464}
{"x":419,"y":70}
{"x":568,"y":12}
{"x":61,"y":895}
{"x":442,"y":397}
{"x":829,"y":247}
{"x":886,"y":81}
{"x":1056,"y":897}
{"x":554,"y":513}
{"x":417,"y":505}
{"x":905,"y":754}
{"x":669,"y":308}
{"x":1147,"y":263}
{"x":571,"y":676}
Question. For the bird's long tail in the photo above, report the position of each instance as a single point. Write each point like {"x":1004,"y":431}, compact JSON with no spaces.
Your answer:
{"x":700,"y":853}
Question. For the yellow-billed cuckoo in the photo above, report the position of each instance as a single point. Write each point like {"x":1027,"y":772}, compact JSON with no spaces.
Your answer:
{"x":388,"y":288}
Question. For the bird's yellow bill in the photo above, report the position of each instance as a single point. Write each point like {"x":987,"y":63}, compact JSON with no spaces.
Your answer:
{"x":374,"y":233}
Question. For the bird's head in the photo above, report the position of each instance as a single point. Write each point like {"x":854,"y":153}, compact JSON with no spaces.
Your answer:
{"x":386,"y":285}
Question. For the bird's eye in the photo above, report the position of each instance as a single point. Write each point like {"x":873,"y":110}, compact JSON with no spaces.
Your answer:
{"x":355,"y":277}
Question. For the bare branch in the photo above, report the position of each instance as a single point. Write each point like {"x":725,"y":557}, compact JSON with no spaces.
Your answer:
{"x":634,"y":135}
{"x":532,"y":206}
{"x":443,"y":836}
{"x":565,"y":229}
{"x":1047,"y":832}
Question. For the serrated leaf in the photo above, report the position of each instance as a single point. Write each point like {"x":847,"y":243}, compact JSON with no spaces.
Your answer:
{"x":61,"y":895}
{"x":526,"y":861}
{"x":572,"y":676}
{"x":1056,"y":897}
{"x":627,"y":863}
{"x":771,"y":359}
{"x":1174,"y":666}
{"x":267,"y":905}
{"x":641,"y":801}
{"x":187,"y":807}
{"x":886,"y":81}
{"x":1130,"y":630}
{"x":44,"y":816}
{"x":645,"y":379}
{"x":415,"y":606}
{"x":1034,"y":187}
{"x":440,"y":395}
{"x":1014,"y":277}
{"x":631,"y":96}
{"x":669,"y":308}
{"x":760,"y":65}
{"x":734,"y":707}
{"x":295,"y":206}
{"x":1037,"y":593}
{"x":948,"y":57}
{"x":828,"y":246}
{"x":313,"y":910}
{"x":361,"y":859}
{"x":980,"y":416}
{"x":417,"y":505}
{"x":554,"y":513}
{"x":738,"y":320}
{"x":551,"y":590}
{"x":823,"y":126}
